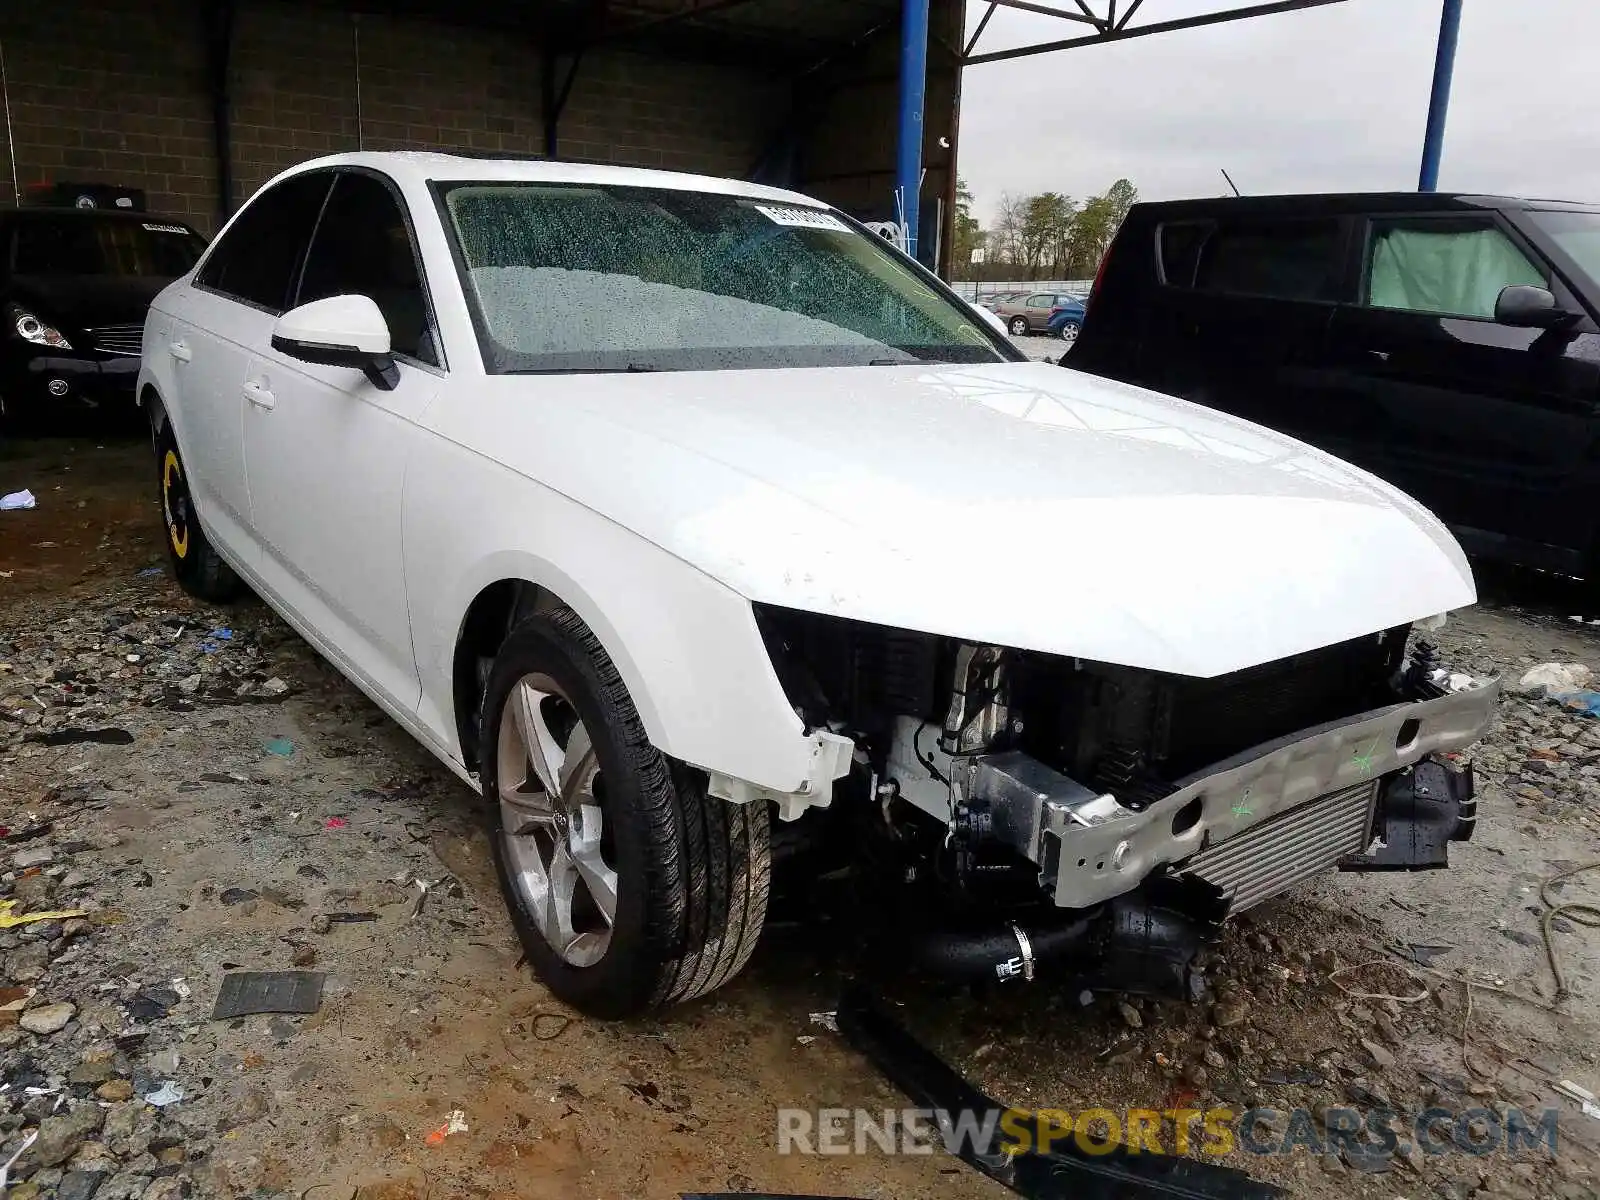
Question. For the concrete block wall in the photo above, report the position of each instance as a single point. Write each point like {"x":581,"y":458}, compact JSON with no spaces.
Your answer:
{"x":122,"y":98}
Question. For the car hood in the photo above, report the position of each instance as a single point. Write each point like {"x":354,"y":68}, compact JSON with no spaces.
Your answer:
{"x":1018,"y":504}
{"x":87,"y":301}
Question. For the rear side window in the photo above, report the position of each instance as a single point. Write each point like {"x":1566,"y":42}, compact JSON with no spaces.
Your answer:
{"x":1281,"y":260}
{"x":257,"y":258}
{"x":1449,"y":267}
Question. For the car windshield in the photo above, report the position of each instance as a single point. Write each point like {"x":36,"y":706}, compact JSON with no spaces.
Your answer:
{"x":605,"y":278}
{"x":69,"y":244}
{"x":1578,"y":234}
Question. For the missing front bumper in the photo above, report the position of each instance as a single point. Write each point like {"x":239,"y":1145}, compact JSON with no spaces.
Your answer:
{"x":1090,"y":848}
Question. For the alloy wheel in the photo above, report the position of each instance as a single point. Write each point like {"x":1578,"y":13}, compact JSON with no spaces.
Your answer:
{"x":557,"y":846}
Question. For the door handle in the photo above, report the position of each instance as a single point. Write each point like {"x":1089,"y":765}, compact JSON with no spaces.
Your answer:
{"x":258,"y":395}
{"x":180,"y":351}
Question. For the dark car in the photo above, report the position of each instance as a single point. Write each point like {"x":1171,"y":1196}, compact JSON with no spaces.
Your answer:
{"x":1446,"y":343}
{"x":74,"y":287}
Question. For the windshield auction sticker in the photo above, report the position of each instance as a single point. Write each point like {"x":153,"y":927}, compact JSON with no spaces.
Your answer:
{"x":802,"y":218}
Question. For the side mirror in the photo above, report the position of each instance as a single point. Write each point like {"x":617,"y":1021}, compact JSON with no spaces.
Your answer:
{"x":339,"y":331}
{"x":1530,"y":308}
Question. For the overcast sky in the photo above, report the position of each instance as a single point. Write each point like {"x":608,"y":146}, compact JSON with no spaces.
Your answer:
{"x":1329,"y":99}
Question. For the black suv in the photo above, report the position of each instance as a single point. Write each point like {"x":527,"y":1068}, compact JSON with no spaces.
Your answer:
{"x":1446,"y":343}
{"x":74,"y":287}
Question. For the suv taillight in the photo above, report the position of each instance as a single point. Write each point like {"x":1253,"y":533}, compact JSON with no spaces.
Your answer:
{"x":1099,"y":274}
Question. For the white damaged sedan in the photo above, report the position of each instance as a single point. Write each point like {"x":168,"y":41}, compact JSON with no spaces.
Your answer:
{"x":708,"y":536}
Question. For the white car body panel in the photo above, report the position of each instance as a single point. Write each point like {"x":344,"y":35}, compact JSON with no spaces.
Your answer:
{"x":1018,"y":504}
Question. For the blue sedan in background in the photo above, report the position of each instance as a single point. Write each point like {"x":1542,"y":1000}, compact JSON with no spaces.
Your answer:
{"x":1066,"y":319}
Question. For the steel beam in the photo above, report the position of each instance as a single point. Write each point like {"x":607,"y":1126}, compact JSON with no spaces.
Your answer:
{"x":1046,"y":10}
{"x":1118,"y":35}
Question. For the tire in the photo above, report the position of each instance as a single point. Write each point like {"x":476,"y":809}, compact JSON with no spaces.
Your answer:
{"x":685,"y":875}
{"x":1018,"y":326}
{"x":1069,"y":331}
{"x":199,"y":569}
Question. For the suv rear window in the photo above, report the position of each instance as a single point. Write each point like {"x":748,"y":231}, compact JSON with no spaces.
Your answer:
{"x":1180,"y":251}
{"x":1281,"y":260}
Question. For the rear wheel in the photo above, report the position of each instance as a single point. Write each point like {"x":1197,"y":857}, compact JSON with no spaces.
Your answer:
{"x":629,"y":886}
{"x":199,"y":569}
{"x":1018,"y":326}
{"x":1069,"y":331}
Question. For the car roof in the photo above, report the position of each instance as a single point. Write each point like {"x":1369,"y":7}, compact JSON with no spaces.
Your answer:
{"x":1343,"y":203}
{"x":420,"y":167}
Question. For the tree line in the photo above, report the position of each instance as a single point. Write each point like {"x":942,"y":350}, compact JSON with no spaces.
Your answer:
{"x":1047,"y":236}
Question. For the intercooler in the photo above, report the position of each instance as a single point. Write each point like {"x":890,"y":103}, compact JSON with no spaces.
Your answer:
{"x":1277,"y":854}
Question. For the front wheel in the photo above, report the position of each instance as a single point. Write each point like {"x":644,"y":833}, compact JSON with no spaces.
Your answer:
{"x":1019,"y":326}
{"x":629,"y":886}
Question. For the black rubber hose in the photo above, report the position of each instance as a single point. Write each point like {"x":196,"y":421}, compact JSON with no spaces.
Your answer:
{"x":976,"y":953}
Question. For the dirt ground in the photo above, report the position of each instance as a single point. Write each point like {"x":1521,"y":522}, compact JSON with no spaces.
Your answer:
{"x":261,"y":793}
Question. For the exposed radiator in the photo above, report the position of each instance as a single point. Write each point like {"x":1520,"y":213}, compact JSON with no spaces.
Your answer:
{"x":1277,"y":854}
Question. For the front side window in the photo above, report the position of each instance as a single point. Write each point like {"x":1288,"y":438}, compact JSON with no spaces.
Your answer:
{"x":1039,"y":301}
{"x":1447,"y":266}
{"x":1577,"y":234}
{"x":363,"y":247}
{"x":85,"y":245}
{"x":607,"y":278}
{"x":1281,"y":260}
{"x":259,"y":255}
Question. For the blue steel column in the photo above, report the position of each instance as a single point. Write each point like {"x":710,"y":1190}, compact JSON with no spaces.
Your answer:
{"x":913,"y":89}
{"x":1439,"y":104}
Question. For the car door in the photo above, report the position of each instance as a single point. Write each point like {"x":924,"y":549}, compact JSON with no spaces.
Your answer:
{"x":208,"y":330}
{"x":326,"y":449}
{"x":1489,"y":425}
{"x":1037,"y":309}
{"x":1240,"y":322}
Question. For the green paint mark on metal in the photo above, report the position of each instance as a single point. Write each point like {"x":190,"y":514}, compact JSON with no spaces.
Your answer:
{"x":1363,"y":762}
{"x":1241,"y":809}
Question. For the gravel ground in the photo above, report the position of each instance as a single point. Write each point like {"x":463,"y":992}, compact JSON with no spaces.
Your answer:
{"x":1040,"y":347}
{"x":260,"y":814}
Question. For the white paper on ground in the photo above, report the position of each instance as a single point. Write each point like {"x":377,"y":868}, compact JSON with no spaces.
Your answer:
{"x":22,"y":499}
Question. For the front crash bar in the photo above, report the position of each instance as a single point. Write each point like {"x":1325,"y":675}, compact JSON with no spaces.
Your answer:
{"x":1092,"y":849}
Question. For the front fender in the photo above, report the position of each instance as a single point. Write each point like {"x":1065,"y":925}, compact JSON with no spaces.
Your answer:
{"x":686,"y":646}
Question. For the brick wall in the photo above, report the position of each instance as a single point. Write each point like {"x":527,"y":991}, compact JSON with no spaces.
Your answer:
{"x":103,"y":92}
{"x":99,"y":95}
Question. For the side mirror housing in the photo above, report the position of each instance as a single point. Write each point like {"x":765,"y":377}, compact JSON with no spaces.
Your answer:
{"x":1530,"y":308}
{"x":339,"y":331}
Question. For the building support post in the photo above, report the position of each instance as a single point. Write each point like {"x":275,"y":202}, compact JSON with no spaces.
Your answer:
{"x":913,"y":93}
{"x":219,"y":19}
{"x":1444,"y":66}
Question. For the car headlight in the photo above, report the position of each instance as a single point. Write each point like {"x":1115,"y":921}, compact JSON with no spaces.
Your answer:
{"x":31,"y":329}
